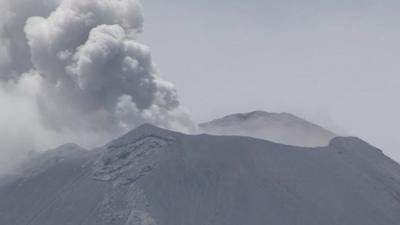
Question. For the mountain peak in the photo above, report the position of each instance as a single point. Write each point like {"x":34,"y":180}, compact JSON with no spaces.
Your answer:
{"x":147,"y":126}
{"x":240,"y":117}
{"x":143,"y":130}
{"x":133,"y":155}
{"x":284,"y":128}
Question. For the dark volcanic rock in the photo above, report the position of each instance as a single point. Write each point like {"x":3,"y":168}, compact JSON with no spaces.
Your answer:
{"x":153,"y":176}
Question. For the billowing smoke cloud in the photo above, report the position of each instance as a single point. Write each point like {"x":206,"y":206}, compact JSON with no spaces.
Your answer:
{"x":73,"y":70}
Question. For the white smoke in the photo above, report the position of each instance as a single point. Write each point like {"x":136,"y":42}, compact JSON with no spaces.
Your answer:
{"x":73,"y":71}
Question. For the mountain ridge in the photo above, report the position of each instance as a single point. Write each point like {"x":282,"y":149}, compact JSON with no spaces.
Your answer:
{"x":152,"y":176}
{"x":284,"y":128}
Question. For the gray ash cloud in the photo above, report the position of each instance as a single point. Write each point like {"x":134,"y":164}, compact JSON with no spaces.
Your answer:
{"x":81,"y":74}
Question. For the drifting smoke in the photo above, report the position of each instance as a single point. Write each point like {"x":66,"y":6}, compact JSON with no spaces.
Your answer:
{"x":73,"y":71}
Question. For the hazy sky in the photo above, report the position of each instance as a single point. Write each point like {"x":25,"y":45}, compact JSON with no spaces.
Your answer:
{"x":333,"y":62}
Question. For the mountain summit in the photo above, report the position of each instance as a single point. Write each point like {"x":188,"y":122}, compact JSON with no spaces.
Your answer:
{"x":153,"y":176}
{"x":282,"y":128}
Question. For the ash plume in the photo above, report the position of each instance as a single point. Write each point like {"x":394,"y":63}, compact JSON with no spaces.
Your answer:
{"x":78,"y":74}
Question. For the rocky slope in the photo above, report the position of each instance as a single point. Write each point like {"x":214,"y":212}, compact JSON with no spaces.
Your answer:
{"x":152,"y":176}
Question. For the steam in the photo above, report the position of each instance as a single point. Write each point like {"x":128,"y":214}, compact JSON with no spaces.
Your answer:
{"x":73,"y":71}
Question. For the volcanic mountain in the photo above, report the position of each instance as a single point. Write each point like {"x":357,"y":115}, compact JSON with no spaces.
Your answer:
{"x":282,"y":128}
{"x":152,"y":176}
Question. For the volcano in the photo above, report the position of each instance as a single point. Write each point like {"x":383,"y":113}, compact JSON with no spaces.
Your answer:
{"x":154,"y":176}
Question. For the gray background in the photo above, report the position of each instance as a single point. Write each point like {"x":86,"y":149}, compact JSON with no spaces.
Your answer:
{"x":332,"y":62}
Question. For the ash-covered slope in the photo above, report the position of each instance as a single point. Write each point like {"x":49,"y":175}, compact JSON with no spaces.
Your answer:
{"x":152,"y":176}
{"x":282,"y":128}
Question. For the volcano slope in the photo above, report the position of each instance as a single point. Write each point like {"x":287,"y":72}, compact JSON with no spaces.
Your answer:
{"x":153,"y":176}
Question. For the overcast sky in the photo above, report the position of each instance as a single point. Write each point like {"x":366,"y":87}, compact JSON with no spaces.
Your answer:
{"x":333,"y":62}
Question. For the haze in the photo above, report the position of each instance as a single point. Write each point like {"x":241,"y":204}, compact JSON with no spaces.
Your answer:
{"x":332,"y":62}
